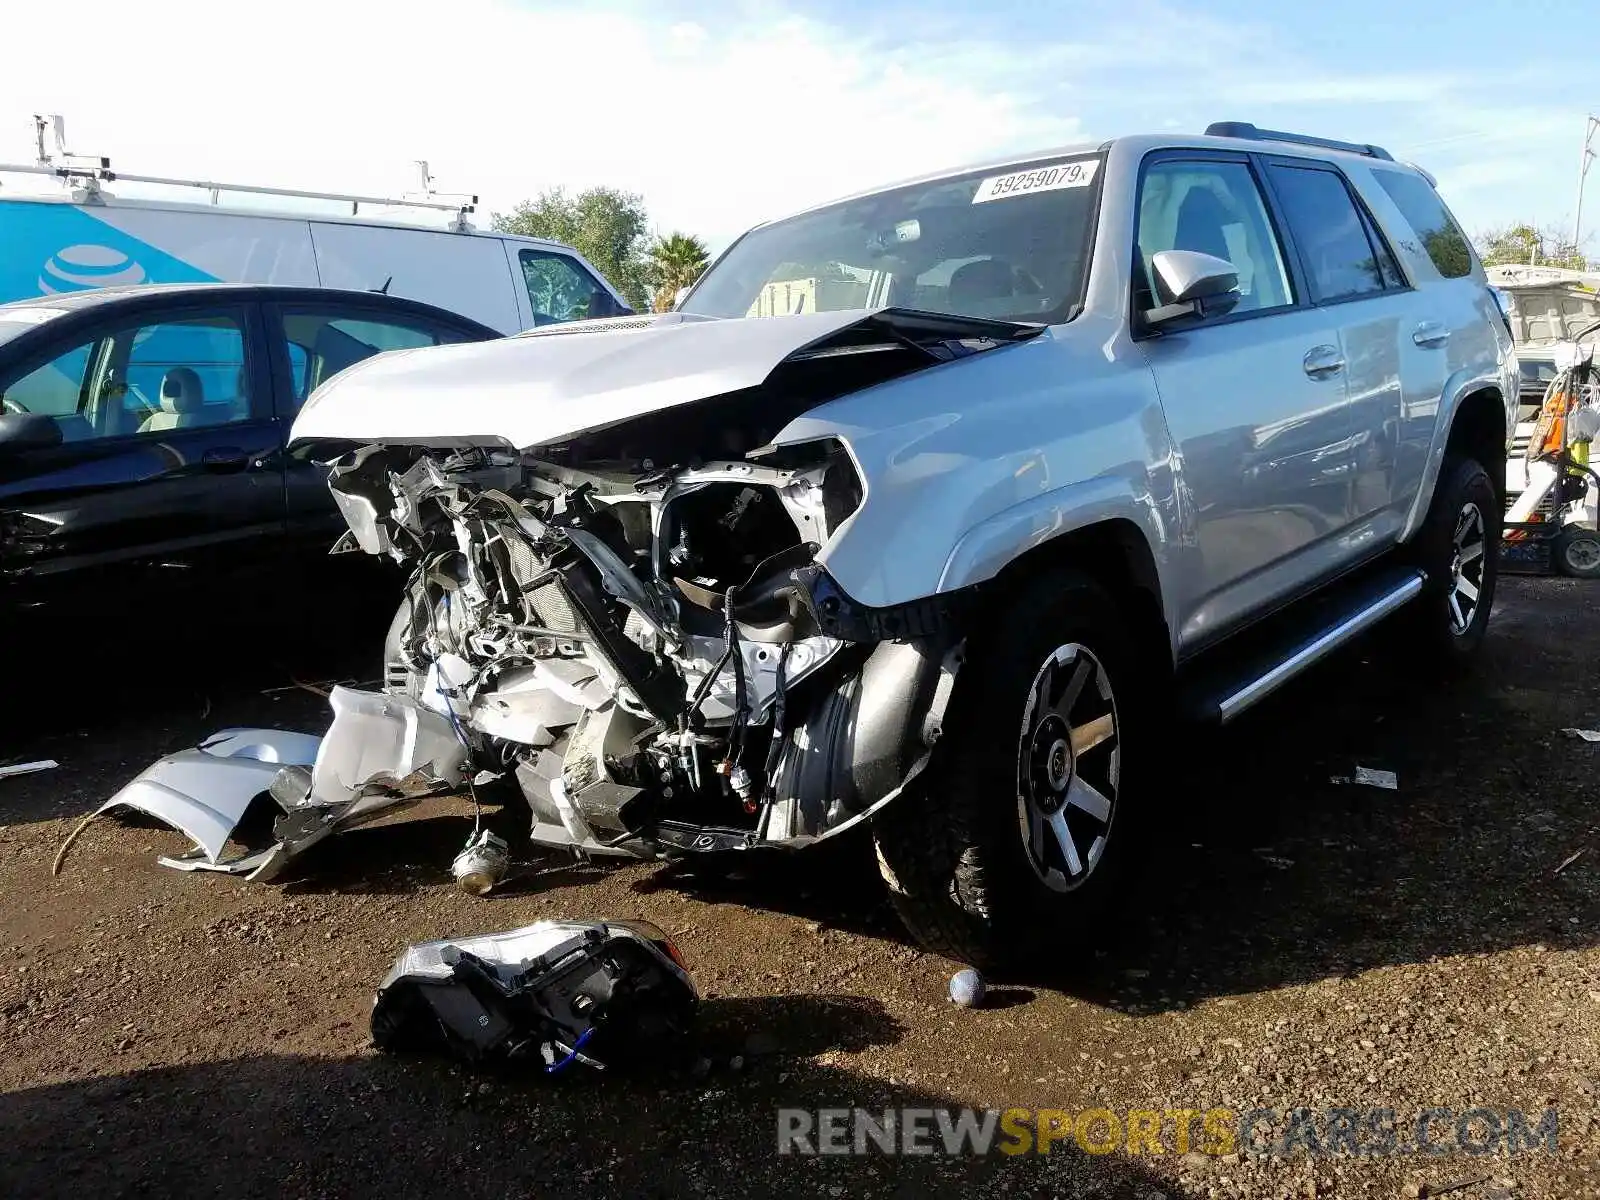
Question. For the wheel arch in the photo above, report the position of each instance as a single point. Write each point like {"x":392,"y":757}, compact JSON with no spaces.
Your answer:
{"x":1115,"y":553}
{"x":1479,"y":426}
{"x":1478,"y":431}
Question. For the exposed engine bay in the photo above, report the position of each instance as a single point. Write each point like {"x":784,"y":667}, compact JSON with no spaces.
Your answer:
{"x":652,"y":655}
{"x":633,"y":625}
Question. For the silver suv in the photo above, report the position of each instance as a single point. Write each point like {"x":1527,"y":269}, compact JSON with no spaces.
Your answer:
{"x":929,"y":508}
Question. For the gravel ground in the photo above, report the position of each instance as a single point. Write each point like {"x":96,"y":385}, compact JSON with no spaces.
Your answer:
{"x":1296,"y":944}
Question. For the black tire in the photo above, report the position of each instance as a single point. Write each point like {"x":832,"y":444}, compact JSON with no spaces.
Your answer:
{"x":1445,"y":624}
{"x":955,"y":858}
{"x":1577,"y":552}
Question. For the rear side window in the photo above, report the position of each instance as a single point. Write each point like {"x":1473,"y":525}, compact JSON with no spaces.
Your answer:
{"x":1441,"y":237}
{"x":191,"y":370}
{"x":324,"y":341}
{"x":1343,"y":259}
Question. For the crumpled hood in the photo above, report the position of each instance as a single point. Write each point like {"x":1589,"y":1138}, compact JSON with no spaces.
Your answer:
{"x":542,"y":387}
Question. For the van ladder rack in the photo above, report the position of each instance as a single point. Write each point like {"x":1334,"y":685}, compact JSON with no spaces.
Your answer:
{"x":92,"y":171}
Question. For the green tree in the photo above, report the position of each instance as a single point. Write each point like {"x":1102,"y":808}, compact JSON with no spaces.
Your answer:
{"x":603,"y":224}
{"x":1528,"y":246}
{"x":676,"y":261}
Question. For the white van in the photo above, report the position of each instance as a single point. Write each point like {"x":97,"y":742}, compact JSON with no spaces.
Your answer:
{"x":83,"y":237}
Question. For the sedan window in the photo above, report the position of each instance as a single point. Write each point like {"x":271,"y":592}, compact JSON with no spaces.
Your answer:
{"x":180,"y":374}
{"x":323,"y":342}
{"x":57,"y":389}
{"x":153,"y":378}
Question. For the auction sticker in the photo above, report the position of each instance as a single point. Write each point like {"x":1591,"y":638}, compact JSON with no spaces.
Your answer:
{"x":1076,"y":174}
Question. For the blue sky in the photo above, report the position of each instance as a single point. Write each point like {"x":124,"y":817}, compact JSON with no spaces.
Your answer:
{"x":728,"y":112}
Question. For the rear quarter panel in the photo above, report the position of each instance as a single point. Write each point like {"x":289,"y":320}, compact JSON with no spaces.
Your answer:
{"x":1478,"y":357}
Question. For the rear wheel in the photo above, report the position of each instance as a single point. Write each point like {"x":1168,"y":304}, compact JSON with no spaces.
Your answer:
{"x":1459,"y":549}
{"x":1020,"y":840}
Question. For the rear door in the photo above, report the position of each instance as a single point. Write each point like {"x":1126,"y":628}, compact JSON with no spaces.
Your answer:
{"x":313,"y":341}
{"x":1351,"y":274}
{"x":169,"y":460}
{"x":459,"y":272}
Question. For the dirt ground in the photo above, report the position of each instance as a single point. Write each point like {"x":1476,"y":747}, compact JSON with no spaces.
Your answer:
{"x":1296,"y":943}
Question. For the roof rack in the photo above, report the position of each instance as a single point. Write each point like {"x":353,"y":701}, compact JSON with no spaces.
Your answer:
{"x":1243,"y":129}
{"x":92,"y":170}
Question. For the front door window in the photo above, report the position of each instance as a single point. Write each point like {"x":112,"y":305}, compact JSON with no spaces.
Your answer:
{"x":559,"y":289}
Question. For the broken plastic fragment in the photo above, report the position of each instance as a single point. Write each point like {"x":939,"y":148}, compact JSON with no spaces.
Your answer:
{"x":204,"y":792}
{"x":28,"y":768}
{"x":1371,"y":777}
{"x":380,"y":751}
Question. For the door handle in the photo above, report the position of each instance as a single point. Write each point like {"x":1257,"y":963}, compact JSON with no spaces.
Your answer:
{"x":1322,"y":361}
{"x":1431,"y":333}
{"x":224,"y":458}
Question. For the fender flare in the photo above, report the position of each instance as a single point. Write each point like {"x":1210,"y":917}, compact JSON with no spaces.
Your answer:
{"x":987,"y":548}
{"x":1462,"y":384}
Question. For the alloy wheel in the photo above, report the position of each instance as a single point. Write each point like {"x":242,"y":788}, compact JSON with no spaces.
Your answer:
{"x":1467,"y":544}
{"x":1068,"y":766}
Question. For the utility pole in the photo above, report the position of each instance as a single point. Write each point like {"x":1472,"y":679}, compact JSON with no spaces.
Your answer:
{"x":1584,"y":162}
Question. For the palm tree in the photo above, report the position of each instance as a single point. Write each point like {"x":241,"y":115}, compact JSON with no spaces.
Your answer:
{"x":676,"y":260}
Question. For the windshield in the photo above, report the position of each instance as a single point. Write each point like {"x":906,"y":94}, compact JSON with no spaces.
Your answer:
{"x":1011,"y":246}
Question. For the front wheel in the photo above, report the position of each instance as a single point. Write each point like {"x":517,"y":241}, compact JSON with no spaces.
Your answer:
{"x":1020,"y":839}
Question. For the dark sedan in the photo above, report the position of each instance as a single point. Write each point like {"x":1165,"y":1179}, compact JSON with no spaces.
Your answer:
{"x":142,"y":438}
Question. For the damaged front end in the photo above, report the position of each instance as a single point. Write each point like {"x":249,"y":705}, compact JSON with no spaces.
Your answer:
{"x":652,"y":655}
{"x":629,"y":619}
{"x":655,"y":654}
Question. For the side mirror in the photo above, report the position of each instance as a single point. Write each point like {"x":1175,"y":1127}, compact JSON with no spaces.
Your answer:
{"x":27,"y":431}
{"x":603,"y":304}
{"x":1190,"y":283}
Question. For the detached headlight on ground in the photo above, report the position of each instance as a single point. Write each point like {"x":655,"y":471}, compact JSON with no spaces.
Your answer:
{"x":552,"y":993}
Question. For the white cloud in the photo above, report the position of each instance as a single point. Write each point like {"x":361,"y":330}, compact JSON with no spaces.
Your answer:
{"x":722,"y":122}
{"x":716,"y":128}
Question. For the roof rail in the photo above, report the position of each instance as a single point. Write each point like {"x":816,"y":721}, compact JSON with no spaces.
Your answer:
{"x":1243,"y":129}
{"x":93,"y":170}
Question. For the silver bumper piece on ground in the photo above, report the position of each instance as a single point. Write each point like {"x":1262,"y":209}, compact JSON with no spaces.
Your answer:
{"x":204,"y":792}
{"x":380,"y":751}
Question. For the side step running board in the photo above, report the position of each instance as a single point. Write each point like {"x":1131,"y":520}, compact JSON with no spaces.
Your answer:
{"x":1352,"y":611}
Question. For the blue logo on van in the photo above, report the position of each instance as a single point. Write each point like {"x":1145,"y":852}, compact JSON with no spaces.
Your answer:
{"x":88,"y":266}
{"x":47,"y":249}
